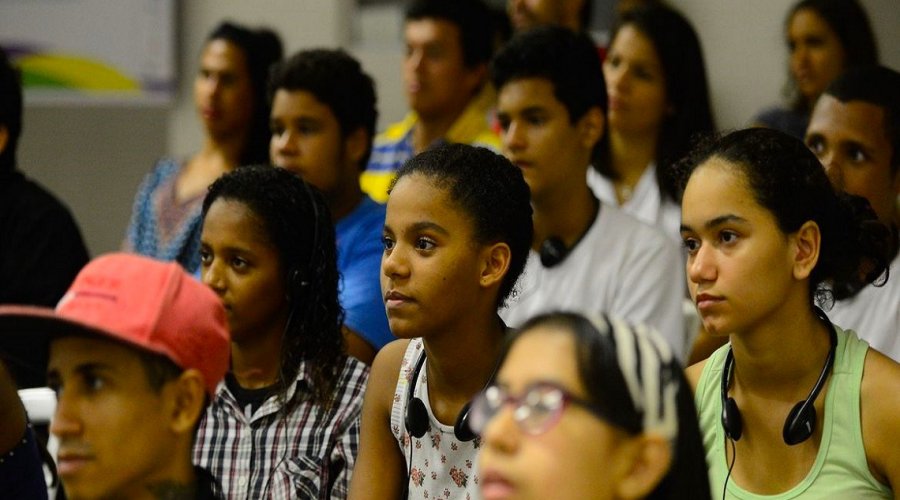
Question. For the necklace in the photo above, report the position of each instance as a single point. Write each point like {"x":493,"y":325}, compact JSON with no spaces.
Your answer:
{"x":625,"y":192}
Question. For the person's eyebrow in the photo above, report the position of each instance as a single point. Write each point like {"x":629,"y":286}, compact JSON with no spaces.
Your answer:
{"x":716,"y":222}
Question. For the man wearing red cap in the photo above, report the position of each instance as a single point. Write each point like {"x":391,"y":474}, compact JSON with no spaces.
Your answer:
{"x":137,"y":348}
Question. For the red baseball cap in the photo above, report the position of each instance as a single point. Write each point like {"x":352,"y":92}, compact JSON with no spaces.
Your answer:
{"x":151,"y":305}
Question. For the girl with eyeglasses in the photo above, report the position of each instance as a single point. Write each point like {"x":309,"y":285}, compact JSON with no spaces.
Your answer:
{"x":588,"y":410}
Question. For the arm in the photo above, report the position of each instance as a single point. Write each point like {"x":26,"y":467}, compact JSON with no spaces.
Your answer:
{"x":380,"y":468}
{"x":879,"y":407}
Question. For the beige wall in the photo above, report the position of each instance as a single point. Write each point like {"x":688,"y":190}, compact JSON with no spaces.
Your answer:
{"x":94,"y":157}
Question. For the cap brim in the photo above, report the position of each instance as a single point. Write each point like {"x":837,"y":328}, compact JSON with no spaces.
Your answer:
{"x":25,"y":334}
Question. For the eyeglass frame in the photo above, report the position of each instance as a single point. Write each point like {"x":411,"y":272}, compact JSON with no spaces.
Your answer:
{"x":480,"y":404}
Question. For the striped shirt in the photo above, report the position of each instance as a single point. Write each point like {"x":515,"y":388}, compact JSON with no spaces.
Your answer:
{"x":309,"y":453}
{"x":394,"y":146}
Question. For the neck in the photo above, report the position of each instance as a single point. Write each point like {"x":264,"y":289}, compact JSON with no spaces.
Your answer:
{"x":461,"y":362}
{"x":255,"y":363}
{"x":224,"y":150}
{"x":431,"y":128}
{"x":566,"y":214}
{"x":179,"y":481}
{"x":631,"y":154}
{"x":761,"y":365}
{"x":341,"y":203}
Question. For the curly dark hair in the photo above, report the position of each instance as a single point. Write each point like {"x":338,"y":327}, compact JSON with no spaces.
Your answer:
{"x":262,"y":48}
{"x":337,"y":80}
{"x":687,"y":88}
{"x":787,"y":179}
{"x":298,"y":223}
{"x":490,"y":190}
{"x":568,"y":60}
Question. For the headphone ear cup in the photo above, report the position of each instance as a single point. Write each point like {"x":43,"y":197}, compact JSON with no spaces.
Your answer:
{"x":553,"y":251}
{"x":416,"y":418}
{"x":731,"y":420}
{"x":800,"y":423}
{"x":461,"y":428}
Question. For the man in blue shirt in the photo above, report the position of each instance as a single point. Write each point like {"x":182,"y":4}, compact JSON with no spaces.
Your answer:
{"x":323,"y":122}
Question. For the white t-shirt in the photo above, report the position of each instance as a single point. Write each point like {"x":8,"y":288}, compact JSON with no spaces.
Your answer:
{"x":646,"y":203}
{"x":621,"y":267}
{"x":874,"y":314}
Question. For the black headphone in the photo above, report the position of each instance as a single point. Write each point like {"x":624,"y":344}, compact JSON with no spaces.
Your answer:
{"x":553,"y":251}
{"x":801,"y":421}
{"x":417,"y":421}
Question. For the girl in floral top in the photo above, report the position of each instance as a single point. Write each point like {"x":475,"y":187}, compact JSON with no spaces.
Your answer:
{"x":456,"y":237}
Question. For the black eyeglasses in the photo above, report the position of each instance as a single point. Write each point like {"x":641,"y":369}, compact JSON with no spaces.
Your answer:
{"x":538,"y":409}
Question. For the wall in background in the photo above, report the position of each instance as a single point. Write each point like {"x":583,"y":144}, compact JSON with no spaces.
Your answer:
{"x":94,"y":157}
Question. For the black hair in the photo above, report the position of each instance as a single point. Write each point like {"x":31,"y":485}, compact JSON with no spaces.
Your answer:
{"x":10,"y":111}
{"x":787,"y":179}
{"x":879,"y":86}
{"x":490,"y":190}
{"x":262,"y":48}
{"x":337,"y":80}
{"x":473,"y":18}
{"x":603,"y":378}
{"x":687,"y":89}
{"x":848,"y":20}
{"x":295,"y":218}
{"x":568,"y":60}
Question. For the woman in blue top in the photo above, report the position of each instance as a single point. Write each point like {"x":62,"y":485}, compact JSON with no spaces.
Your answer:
{"x":230,"y":97}
{"x":791,"y":406}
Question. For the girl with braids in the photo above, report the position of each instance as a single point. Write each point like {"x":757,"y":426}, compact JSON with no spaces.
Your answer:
{"x":230,"y":97}
{"x":285,"y":422}
{"x":456,"y":237}
{"x":602,"y":393}
{"x":792,"y":405}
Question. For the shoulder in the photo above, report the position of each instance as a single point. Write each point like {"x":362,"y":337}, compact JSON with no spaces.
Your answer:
{"x":693,"y":374}
{"x":386,"y":366}
{"x":397,"y":131}
{"x":879,"y":407}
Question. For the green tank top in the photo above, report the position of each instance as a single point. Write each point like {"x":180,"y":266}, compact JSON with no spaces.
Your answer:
{"x":840,"y":469}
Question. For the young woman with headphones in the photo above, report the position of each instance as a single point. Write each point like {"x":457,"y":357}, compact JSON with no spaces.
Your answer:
{"x":456,"y":237}
{"x":285,"y":423}
{"x":792,"y":405}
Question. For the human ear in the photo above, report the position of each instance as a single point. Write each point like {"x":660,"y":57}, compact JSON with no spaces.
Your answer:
{"x":651,"y":458}
{"x":495,"y":263}
{"x":186,"y":397}
{"x":355,"y":145}
{"x":474,"y":77}
{"x":805,"y":243}
{"x":591,"y":127}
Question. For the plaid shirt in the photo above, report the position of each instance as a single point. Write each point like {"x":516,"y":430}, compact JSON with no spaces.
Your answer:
{"x":309,"y":453}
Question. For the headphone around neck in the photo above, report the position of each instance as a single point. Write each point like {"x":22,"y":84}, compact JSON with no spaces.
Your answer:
{"x":554,"y":251}
{"x":801,"y":420}
{"x":417,"y":420}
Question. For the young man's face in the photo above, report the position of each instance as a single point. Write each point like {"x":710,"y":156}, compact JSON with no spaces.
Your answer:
{"x":850,"y":140}
{"x":528,"y":14}
{"x":307,"y":140}
{"x":114,"y":437}
{"x":436,"y":80}
{"x":539,"y":137}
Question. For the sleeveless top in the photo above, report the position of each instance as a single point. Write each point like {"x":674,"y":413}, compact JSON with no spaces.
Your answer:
{"x":840,"y":469}
{"x":442,"y":466}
